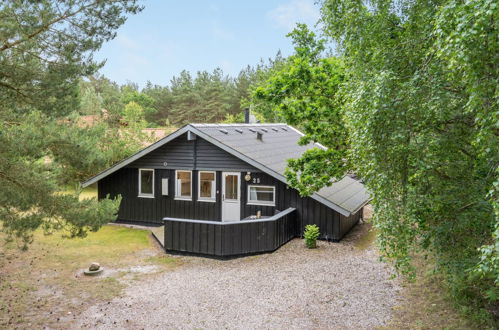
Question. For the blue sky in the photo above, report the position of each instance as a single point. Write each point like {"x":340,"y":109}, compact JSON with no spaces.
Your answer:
{"x":169,"y":36}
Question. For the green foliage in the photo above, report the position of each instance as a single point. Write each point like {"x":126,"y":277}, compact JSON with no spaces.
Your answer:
{"x":305,"y":93}
{"x":421,"y":112}
{"x":110,"y":94}
{"x":144,"y":101}
{"x":91,"y":102}
{"x":204,"y":97}
{"x":254,"y":77}
{"x":310,"y":235}
{"x":45,"y":49}
{"x":133,"y":115}
{"x":239,"y":118}
{"x":411,"y":107}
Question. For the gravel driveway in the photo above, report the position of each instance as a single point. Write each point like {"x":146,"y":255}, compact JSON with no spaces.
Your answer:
{"x":334,"y":286}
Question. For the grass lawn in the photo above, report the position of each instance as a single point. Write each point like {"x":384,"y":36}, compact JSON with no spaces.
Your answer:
{"x":88,"y":192}
{"x":44,"y":285}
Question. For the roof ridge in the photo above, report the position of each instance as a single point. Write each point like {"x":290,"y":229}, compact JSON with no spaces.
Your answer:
{"x":235,"y":124}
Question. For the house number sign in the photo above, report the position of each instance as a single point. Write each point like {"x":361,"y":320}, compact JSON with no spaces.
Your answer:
{"x":256,"y":180}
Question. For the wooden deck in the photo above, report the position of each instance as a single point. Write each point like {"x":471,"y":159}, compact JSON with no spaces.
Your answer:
{"x":159,"y":234}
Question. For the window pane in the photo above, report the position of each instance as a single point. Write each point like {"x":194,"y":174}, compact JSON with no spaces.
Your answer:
{"x":206,"y":185}
{"x":146,"y":182}
{"x":261,"y":194}
{"x":184,"y":184}
{"x":231,"y":187}
{"x":207,"y":176}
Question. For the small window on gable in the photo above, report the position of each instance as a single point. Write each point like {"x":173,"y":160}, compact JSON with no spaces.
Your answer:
{"x":183,"y":185}
{"x":261,"y":195}
{"x":207,"y":186}
{"x":146,"y":182}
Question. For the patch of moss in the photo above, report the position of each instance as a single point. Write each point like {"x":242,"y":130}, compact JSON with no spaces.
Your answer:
{"x":367,"y":239}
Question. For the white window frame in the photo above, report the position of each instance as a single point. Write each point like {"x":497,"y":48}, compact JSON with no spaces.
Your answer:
{"x":214,"y":187}
{"x":143,"y":195}
{"x":262,"y":203}
{"x":177,"y":193}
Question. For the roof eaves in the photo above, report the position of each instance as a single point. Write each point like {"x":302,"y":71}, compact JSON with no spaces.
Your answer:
{"x":266,"y":169}
{"x":193,"y":128}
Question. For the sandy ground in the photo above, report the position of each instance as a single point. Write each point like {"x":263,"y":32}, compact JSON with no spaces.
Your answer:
{"x":336,"y":286}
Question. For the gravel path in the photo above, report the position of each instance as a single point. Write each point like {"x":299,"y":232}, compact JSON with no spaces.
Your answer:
{"x":335,"y":286}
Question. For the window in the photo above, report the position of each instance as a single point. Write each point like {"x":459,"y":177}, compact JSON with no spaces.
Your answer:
{"x":183,"y":185}
{"x":231,"y":187}
{"x":146,"y":183}
{"x":207,"y":186}
{"x":261,"y":195}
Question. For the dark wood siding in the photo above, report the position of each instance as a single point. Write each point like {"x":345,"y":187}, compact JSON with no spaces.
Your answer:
{"x":200,"y":154}
{"x":229,"y":239}
{"x":347,"y":223}
{"x":152,"y":210}
{"x":209,"y":156}
{"x":195,"y":154}
{"x":308,"y":210}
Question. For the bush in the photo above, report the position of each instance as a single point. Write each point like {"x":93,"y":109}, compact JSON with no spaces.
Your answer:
{"x":311,"y":234}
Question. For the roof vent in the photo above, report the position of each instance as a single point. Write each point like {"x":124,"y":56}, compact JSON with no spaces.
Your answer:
{"x":224,"y":131}
{"x":259,"y":136}
{"x":239,"y":130}
{"x":284,"y":129}
{"x":265,"y":130}
{"x":252,"y":130}
{"x":275,"y":129}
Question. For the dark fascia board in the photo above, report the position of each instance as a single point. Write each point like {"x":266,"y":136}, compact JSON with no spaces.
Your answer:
{"x":219,"y":144}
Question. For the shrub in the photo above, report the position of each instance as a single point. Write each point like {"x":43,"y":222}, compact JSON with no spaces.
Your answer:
{"x":311,"y":234}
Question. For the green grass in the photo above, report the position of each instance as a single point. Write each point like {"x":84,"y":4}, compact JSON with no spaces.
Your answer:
{"x":108,"y":245}
{"x":86,"y":193}
{"x":40,"y":286}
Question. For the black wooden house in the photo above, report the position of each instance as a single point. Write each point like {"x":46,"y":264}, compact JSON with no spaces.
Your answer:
{"x":219,"y":189}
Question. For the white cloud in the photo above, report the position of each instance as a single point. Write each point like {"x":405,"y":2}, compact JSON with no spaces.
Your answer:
{"x":296,"y":11}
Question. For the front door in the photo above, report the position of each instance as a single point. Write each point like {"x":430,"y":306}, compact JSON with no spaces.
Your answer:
{"x":231,"y":196}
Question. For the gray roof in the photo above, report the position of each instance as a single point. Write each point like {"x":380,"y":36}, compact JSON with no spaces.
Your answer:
{"x":270,"y":154}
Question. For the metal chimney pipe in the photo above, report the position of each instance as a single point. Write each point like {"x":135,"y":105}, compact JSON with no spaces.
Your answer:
{"x":247,"y":115}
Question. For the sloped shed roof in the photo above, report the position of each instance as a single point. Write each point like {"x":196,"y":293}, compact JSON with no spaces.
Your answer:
{"x":278,"y":143}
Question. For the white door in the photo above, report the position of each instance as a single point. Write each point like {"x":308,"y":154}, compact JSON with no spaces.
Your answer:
{"x":231,"y":196}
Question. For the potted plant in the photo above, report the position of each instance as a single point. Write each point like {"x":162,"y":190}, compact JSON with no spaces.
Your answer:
{"x":310,"y":235}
